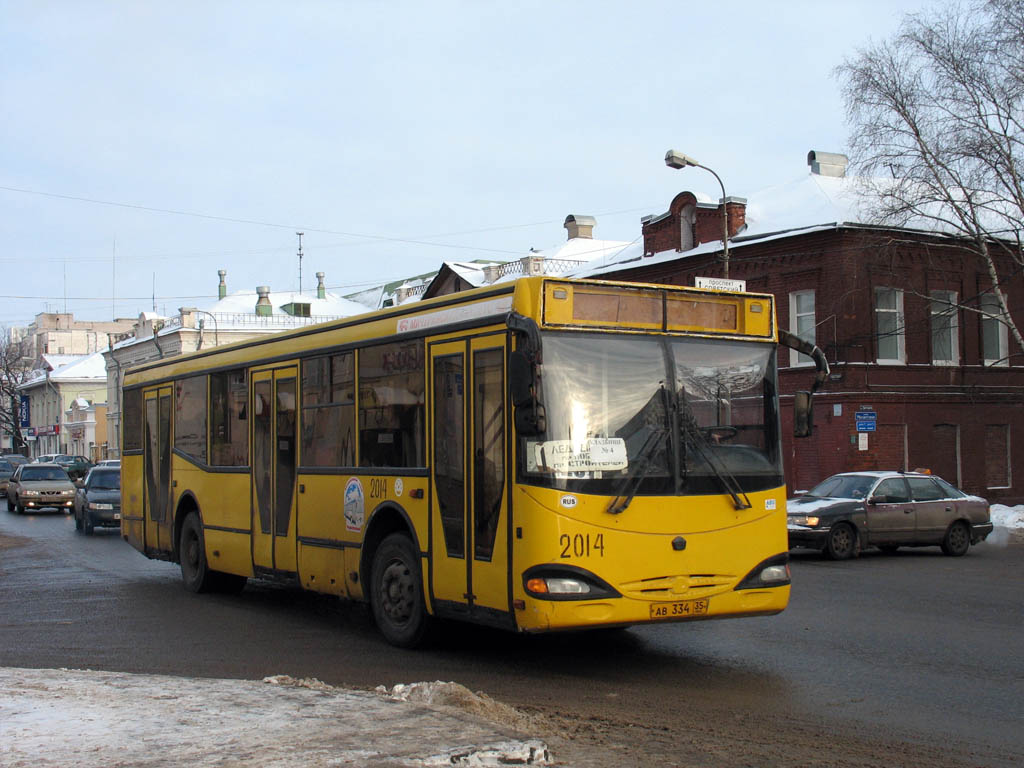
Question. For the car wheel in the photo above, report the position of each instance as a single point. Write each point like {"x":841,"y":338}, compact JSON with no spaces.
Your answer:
{"x":957,"y":540}
{"x":842,"y":542}
{"x":19,"y":509}
{"x":87,"y":526}
{"x":396,"y":592}
{"x":195,"y":571}
{"x":889,"y":549}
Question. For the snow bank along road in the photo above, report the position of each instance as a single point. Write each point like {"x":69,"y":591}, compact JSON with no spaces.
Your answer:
{"x":65,"y":718}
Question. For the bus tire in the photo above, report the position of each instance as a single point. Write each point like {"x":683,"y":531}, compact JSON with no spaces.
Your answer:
{"x":396,"y":592}
{"x":195,"y":571}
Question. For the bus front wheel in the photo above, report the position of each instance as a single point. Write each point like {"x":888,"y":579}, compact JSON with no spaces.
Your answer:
{"x":396,"y":592}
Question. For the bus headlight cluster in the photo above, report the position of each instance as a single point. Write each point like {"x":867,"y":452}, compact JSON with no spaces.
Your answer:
{"x":773,"y":572}
{"x":565,"y":582}
{"x":556,"y":586}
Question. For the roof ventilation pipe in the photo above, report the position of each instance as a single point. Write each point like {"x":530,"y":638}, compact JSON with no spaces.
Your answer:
{"x":263,"y":306}
{"x":827,"y":163}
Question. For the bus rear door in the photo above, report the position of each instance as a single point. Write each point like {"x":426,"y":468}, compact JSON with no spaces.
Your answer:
{"x":157,"y":518}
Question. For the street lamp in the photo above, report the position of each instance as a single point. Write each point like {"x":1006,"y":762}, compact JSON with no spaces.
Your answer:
{"x":679,"y":161}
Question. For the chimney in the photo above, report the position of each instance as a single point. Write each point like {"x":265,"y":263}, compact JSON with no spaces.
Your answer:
{"x":827,"y":163}
{"x":222,"y":289}
{"x":321,"y":291}
{"x":580,"y":226}
{"x":263,"y":306}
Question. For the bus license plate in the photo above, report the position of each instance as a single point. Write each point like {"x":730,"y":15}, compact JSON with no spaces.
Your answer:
{"x":679,"y":610}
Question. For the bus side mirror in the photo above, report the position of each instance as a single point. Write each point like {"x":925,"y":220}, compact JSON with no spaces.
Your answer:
{"x":803,"y":415}
{"x":531,"y":421}
{"x":520,"y":378}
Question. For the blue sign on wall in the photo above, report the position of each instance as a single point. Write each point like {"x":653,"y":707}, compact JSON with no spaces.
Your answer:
{"x":23,"y":411}
{"x":866,"y":426}
{"x":866,"y":416}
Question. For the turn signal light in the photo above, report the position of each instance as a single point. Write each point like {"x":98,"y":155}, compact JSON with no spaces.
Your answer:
{"x":537,"y":586}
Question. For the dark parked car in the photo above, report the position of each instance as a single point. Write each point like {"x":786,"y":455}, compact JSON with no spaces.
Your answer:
{"x":77,"y":466}
{"x":36,"y":486}
{"x":14,"y":458}
{"x":888,"y":510}
{"x":98,"y":501}
{"x":6,"y":470}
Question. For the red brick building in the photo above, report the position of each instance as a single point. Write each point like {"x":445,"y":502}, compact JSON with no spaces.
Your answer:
{"x":944,"y":383}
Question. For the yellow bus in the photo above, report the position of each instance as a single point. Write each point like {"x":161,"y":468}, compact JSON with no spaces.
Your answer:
{"x":545,"y":454}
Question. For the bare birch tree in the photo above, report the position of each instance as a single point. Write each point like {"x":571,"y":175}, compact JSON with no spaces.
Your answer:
{"x":937,"y":120}
{"x":13,"y":372}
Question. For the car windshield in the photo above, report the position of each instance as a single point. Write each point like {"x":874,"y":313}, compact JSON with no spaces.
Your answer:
{"x":844,"y":487}
{"x":105,"y":481}
{"x":43,"y":473}
{"x":698,"y":415}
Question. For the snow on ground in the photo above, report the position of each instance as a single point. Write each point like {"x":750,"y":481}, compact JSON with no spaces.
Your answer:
{"x":70,"y":718}
{"x":1007,"y":517}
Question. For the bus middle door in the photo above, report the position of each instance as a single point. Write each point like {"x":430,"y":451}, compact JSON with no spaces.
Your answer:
{"x":274,"y":463}
{"x":469,"y":539}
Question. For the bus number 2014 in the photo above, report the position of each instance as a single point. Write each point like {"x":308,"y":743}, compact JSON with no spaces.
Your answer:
{"x":581,"y":544}
{"x":378,"y":488}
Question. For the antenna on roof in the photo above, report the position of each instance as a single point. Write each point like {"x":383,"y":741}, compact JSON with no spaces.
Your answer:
{"x":300,"y":262}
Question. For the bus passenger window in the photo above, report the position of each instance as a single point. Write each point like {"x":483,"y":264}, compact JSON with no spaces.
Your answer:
{"x":229,"y":428}
{"x":328,"y":411}
{"x":391,"y":409}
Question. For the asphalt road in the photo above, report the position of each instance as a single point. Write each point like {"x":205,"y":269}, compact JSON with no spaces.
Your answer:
{"x":912,"y":659}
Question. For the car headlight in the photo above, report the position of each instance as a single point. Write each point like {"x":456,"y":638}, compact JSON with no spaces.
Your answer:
{"x":100,"y":505}
{"x":811,"y":520}
{"x":29,"y":493}
{"x":67,"y":493}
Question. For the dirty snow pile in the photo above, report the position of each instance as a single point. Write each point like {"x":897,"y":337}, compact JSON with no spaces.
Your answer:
{"x":1007,"y":517}
{"x":71,"y":718}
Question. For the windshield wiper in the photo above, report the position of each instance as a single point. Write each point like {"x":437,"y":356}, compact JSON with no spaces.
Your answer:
{"x":638,"y":473}
{"x":728,"y":481}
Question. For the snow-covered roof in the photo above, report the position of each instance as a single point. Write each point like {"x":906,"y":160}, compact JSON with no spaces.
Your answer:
{"x":82,"y":368}
{"x":52,"y":362}
{"x":244,"y":303}
{"x":809,"y":203}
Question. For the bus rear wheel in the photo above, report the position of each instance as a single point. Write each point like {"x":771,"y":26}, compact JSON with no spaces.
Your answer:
{"x":396,"y":592}
{"x":195,"y":571}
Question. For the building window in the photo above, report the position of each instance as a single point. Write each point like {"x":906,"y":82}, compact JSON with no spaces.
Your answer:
{"x":945,"y":346}
{"x":889,"y":326}
{"x":993,"y":333}
{"x":801,"y":319}
{"x":997,"y":456}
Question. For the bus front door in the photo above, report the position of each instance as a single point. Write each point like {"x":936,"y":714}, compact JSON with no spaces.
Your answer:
{"x":157,"y":522}
{"x":469,"y":530}
{"x":274,"y":456}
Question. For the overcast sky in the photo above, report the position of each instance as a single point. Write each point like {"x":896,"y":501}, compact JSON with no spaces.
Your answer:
{"x":145,"y":145}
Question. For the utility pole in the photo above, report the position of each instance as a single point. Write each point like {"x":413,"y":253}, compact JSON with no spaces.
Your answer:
{"x":300,"y":261}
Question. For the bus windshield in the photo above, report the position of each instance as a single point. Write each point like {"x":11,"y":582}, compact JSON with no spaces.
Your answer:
{"x":686,"y":416}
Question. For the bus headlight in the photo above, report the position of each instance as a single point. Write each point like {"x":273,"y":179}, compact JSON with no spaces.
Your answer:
{"x":773,"y":572}
{"x":565,"y":582}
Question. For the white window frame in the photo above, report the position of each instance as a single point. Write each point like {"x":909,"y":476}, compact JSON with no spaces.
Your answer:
{"x":797,"y":358}
{"x":944,"y":304}
{"x":901,"y":352}
{"x":989,"y":303}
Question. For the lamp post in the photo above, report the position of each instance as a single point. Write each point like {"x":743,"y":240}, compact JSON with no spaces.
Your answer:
{"x":679,"y":161}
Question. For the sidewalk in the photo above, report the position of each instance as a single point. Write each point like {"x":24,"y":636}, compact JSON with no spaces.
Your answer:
{"x":64,"y":718}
